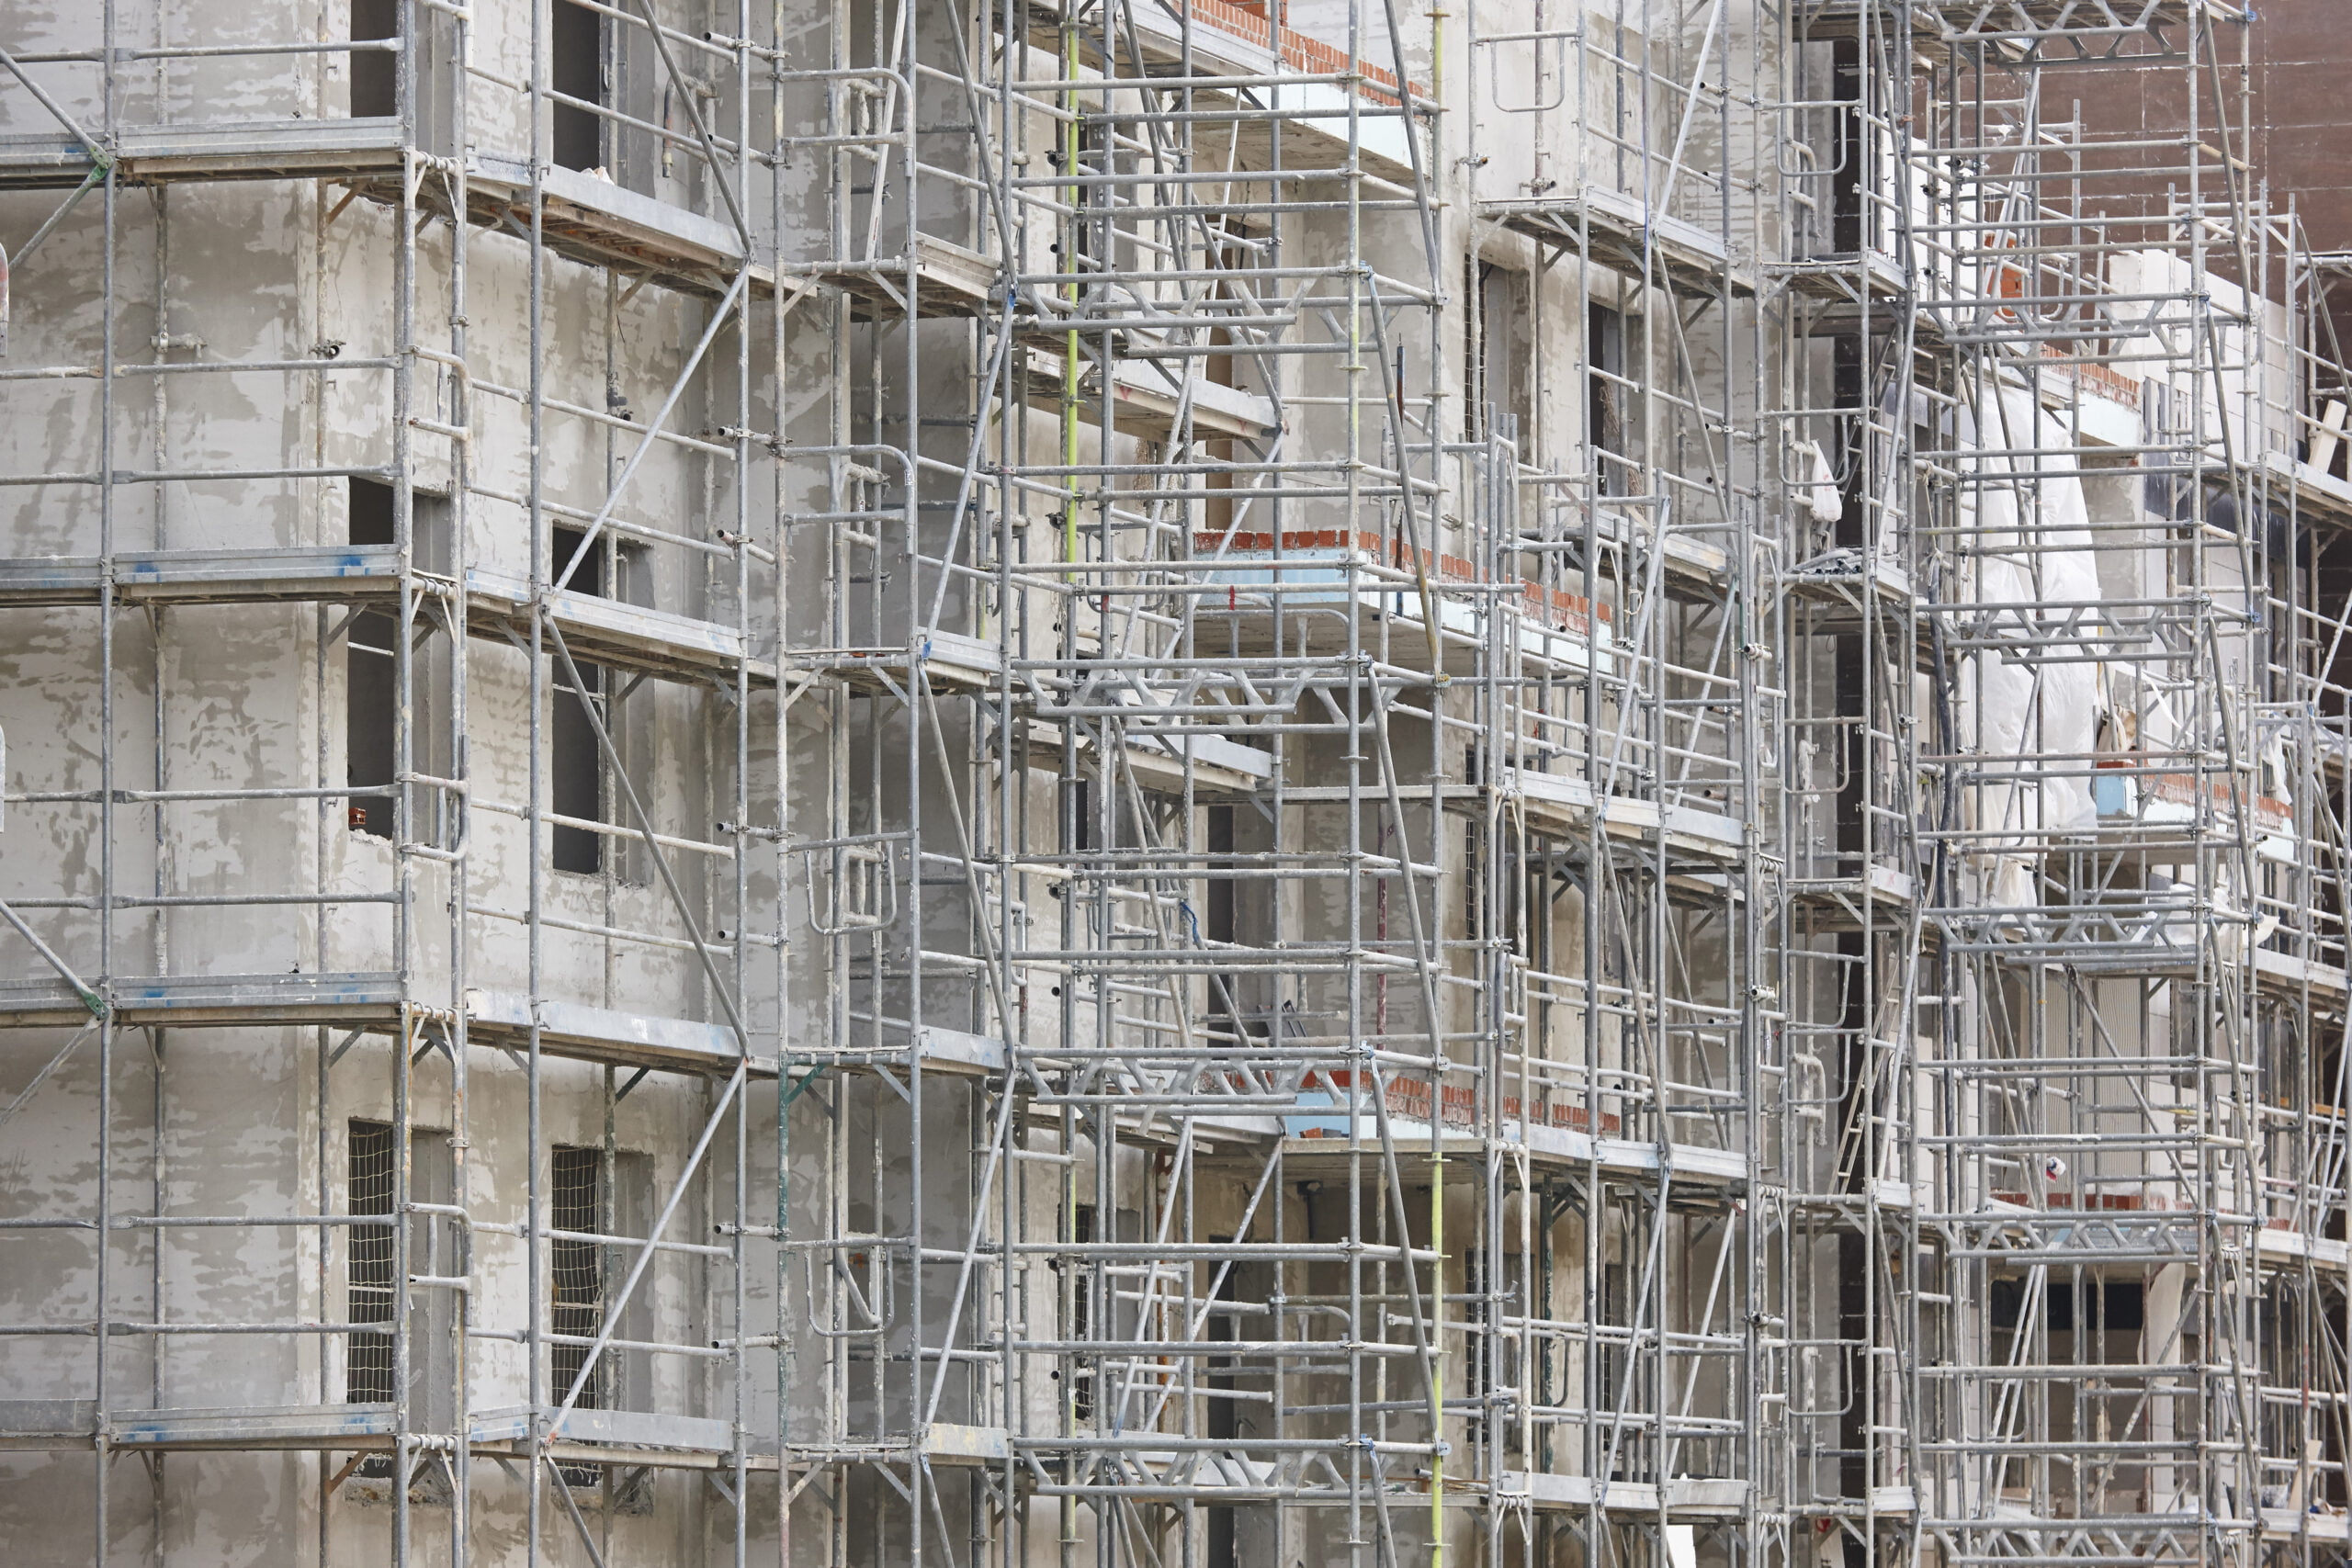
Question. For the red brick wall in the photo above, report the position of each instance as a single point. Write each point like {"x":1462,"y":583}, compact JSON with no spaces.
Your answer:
{"x":2301,"y":56}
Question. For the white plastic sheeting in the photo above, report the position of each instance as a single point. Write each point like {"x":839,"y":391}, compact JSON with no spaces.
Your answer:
{"x":1816,"y":481}
{"x":2035,"y":530}
{"x":2039,"y":728}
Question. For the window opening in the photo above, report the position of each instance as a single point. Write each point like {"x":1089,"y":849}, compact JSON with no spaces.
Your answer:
{"x":1081,"y":1316}
{"x":577,"y":1269}
{"x":368,"y":1184}
{"x":1497,"y":399}
{"x":576,"y":1290}
{"x":371,"y":689}
{"x":373,"y":1285}
{"x":577,"y":62}
{"x":371,"y":660}
{"x":1604,"y":396}
{"x":576,"y":761}
{"x":375,"y":82}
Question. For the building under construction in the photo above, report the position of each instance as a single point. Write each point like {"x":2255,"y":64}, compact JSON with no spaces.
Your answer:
{"x":1168,"y":784}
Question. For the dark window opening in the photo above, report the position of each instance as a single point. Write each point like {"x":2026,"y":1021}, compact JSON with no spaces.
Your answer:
{"x":371,"y":659}
{"x":369,"y":1186}
{"x":573,"y":553}
{"x":577,"y":774}
{"x":577,"y":1272}
{"x":373,"y":1285}
{"x":373,"y":513}
{"x":578,"y":72}
{"x":1497,"y":395}
{"x":2117,"y":1305}
{"x":1224,"y":924}
{"x":371,"y":685}
{"x":1091,"y":233}
{"x":1475,"y":1286}
{"x":1604,"y":396}
{"x":2329,"y":1087}
{"x":1223,"y":1415}
{"x":576,"y":1289}
{"x":575,"y":761}
{"x":375,"y":80}
{"x":1081,"y":1316}
{"x":1617,"y":1312}
{"x":1473,"y":376}
{"x":598,"y":1193}
{"x":372,"y":721}
{"x":1221,"y":888}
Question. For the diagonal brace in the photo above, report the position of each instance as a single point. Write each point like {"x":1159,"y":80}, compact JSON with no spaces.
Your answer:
{"x":90,"y":998}
{"x":652,"y":846}
{"x":692,"y":99}
{"x":677,"y":389}
{"x":90,"y":182}
{"x":43,"y":1076}
{"x":645,"y":1248}
{"x":563,"y":1491}
{"x":98,"y":155}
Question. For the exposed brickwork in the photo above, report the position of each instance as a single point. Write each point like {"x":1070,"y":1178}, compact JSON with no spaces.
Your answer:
{"x":1567,"y":612}
{"x":1304,"y":53}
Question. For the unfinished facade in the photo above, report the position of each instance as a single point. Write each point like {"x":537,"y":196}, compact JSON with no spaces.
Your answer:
{"x":1159,"y":783}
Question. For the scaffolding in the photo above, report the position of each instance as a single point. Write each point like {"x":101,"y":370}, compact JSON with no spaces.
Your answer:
{"x":1193,"y":783}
